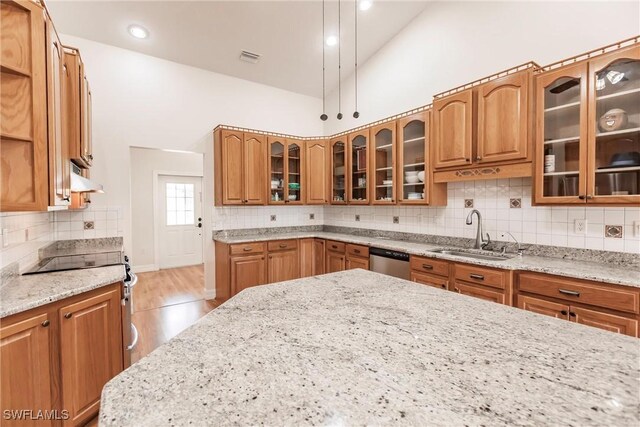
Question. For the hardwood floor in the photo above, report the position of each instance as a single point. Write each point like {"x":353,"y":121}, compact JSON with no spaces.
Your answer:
{"x":165,"y":303}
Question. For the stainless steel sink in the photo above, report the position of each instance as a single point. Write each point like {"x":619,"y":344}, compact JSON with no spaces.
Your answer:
{"x":474,"y":255}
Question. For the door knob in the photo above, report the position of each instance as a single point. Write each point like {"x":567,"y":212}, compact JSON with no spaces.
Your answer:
{"x":199,"y":225}
{"x":68,"y":315}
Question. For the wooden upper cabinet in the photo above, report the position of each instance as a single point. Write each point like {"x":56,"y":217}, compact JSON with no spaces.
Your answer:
{"x":87,"y":131}
{"x":503,"y":119}
{"x":255,"y":168}
{"x":453,"y":132}
{"x":358,"y":165}
{"x":78,"y":114}
{"x":286,"y":171}
{"x":384,"y":164}
{"x":338,"y":170}
{"x":26,"y":369}
{"x":230,"y":164}
{"x":24,"y":180}
{"x":316,"y":175}
{"x":59,"y":162}
{"x":90,"y":352}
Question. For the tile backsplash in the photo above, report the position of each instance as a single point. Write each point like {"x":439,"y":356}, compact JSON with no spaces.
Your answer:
{"x":266,"y":216}
{"x":107,"y":222}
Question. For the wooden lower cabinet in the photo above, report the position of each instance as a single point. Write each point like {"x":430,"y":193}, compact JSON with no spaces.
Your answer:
{"x":542,"y":306}
{"x":306,"y":257}
{"x":25,"y":363}
{"x":318,"y":256}
{"x":356,"y":262}
{"x":430,"y":280}
{"x":335,"y":261}
{"x":608,"y":322}
{"x":283,"y":265}
{"x":247,"y":271}
{"x":493,"y":295}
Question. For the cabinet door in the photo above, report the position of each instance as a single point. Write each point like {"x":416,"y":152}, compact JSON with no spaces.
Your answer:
{"x":542,"y":306}
{"x":338,"y":148}
{"x":232,"y":167}
{"x":318,"y":256}
{"x":306,"y":257}
{"x":503,"y":119}
{"x":277,"y":179}
{"x":479,"y":292}
{"x":358,"y":164}
{"x":72,"y":104}
{"x":247,"y":271}
{"x":294,"y":190}
{"x":85,"y":118}
{"x":430,"y":280}
{"x":561,"y":136}
{"x":283,"y":265}
{"x":316,"y":175}
{"x":90,"y":352}
{"x":383,"y":164}
{"x":357,"y":262}
{"x":412,"y":158}
{"x":606,"y":321}
{"x":26,"y":370}
{"x":334,"y":262}
{"x":453,"y":130}
{"x":613,"y":161}
{"x":255,"y":168}
{"x":23,"y":108}
{"x":59,"y":165}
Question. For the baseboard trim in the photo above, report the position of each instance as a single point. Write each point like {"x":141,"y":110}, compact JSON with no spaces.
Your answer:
{"x":209,"y":294}
{"x":144,"y":268}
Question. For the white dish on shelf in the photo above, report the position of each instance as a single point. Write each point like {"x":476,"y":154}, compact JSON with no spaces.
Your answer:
{"x":411,"y":173}
{"x":421,"y":176}
{"x":411,"y":179}
{"x":387,"y":182}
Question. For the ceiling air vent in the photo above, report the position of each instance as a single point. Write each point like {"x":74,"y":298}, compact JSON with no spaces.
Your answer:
{"x":250,"y":57}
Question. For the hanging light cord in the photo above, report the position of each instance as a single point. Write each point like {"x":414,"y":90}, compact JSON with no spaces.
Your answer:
{"x":323,"y":116}
{"x":355,"y":4}
{"x":339,"y":61}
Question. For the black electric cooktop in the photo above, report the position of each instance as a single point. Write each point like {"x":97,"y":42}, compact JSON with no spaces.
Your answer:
{"x":76,"y":262}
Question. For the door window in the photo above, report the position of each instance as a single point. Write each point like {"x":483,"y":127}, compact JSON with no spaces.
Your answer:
{"x":180,"y":202}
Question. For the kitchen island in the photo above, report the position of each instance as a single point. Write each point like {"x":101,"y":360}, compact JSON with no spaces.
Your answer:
{"x":358,"y":347}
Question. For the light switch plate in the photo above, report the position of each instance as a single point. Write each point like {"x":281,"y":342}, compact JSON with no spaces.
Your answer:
{"x":358,"y":218}
{"x":580,"y":226}
{"x":396,"y":220}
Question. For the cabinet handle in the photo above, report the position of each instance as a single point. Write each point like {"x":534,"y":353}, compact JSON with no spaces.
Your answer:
{"x":582,"y":197}
{"x":478,"y":158}
{"x":467,"y":160}
{"x":427,"y":266}
{"x":564,"y":312}
{"x":246,"y":249}
{"x":476,"y":276}
{"x":572,"y":314}
{"x":45,"y":323}
{"x":283,"y":245}
{"x":443,"y":286}
{"x":68,"y":315}
{"x":334,"y":246}
{"x":66,"y":199}
{"x":357,"y":251}
{"x":568,"y":292}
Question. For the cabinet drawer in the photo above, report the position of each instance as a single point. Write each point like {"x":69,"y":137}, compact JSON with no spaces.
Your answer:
{"x":247,"y":248}
{"x":336,"y":246}
{"x":429,"y":280}
{"x":479,"y":292}
{"x":430,"y":265}
{"x":357,"y":250}
{"x":606,"y":321}
{"x":481,"y":275}
{"x":586,"y":293}
{"x":282,"y":245}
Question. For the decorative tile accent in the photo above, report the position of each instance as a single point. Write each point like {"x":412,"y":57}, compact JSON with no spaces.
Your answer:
{"x":273,"y":217}
{"x":468,"y":203}
{"x":515,"y":203}
{"x":358,"y":218}
{"x":396,"y":220}
{"x":88,"y":225}
{"x":614,"y":231}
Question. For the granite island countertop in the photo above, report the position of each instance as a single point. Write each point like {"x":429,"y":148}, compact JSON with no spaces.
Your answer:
{"x":357,"y":347}
{"x":599,"y":272}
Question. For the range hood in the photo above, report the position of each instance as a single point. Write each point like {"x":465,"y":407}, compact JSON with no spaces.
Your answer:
{"x":80,"y":184}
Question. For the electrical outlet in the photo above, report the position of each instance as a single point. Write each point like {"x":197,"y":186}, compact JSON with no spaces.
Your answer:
{"x":396,"y":220}
{"x":636,"y":228}
{"x":312,"y":216}
{"x":273,"y":217}
{"x":580,"y":226}
{"x":358,"y":218}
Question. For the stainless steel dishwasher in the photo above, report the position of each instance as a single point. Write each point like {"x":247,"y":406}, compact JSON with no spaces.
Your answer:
{"x":391,"y":263}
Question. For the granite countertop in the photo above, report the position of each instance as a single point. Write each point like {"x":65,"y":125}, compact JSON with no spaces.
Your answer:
{"x":21,"y":293}
{"x":357,"y":347}
{"x":598,"y":272}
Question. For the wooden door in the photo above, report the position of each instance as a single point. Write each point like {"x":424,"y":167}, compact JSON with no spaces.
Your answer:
{"x":357,"y":262}
{"x":606,"y":321}
{"x":283,"y":265}
{"x":503,"y":119}
{"x":614,"y":95}
{"x":413,"y":158}
{"x":87,"y":122}
{"x":316,"y":172}
{"x":255,"y":168}
{"x":453,"y":132}
{"x":429,"y":280}
{"x":26,"y":369}
{"x":294,"y":170}
{"x":318,"y":256}
{"x":479,"y":292}
{"x":232,"y":154}
{"x":334,"y":262}
{"x":384,"y":164}
{"x":90,"y":352}
{"x":542,"y":306}
{"x":24,"y":177}
{"x":561,"y":136}
{"x":276,"y":165}
{"x":59,"y":162}
{"x":247,"y":271}
{"x":357,"y":180}
{"x":306,"y":257}
{"x":338,"y":170}
{"x":72,"y":105}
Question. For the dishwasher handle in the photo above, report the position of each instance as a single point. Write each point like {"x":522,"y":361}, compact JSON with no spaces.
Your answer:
{"x":386,"y":253}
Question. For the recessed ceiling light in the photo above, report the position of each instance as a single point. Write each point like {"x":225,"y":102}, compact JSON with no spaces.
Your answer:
{"x":332,"y":41}
{"x":365,"y":4}
{"x":138,"y":32}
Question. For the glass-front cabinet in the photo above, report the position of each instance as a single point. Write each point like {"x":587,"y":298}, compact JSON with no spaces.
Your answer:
{"x":588,"y":131}
{"x":412,"y":156}
{"x":383,"y":163}
{"x":358,"y":165}
{"x":338,"y":149}
{"x":285,"y":171}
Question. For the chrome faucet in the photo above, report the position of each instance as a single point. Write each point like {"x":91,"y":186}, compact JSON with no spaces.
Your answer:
{"x":481,"y":243}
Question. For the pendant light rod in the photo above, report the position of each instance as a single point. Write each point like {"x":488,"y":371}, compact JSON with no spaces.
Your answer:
{"x":323,"y":116}
{"x":356,"y":114}
{"x":339,"y":60}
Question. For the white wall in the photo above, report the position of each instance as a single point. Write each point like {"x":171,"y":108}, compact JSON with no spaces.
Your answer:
{"x":453,"y":43}
{"x":144,"y":163}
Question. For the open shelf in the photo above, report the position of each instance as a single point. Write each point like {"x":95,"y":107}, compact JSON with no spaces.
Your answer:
{"x":414,"y":184}
{"x":408,"y":141}
{"x":384,"y":186}
{"x":384,"y":146}
{"x":561,"y":173}
{"x":618,"y":132}
{"x":410,"y":165}
{"x":562,"y":107}
{"x":561,"y":140}
{"x":617,"y":94}
{"x":384,"y":169}
{"x":616,"y":170}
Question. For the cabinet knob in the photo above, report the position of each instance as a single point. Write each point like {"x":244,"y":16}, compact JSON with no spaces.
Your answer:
{"x":68,"y":315}
{"x":564,"y":312}
{"x":478,"y":158}
{"x":443,"y":286}
{"x":467,"y":159}
{"x":45,"y":323}
{"x":66,"y":199}
{"x":572,"y":314}
{"x":589,"y":197}
{"x":582,"y":197}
